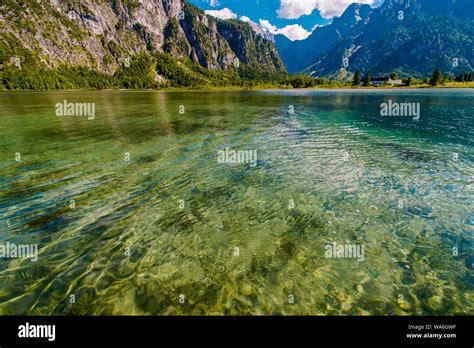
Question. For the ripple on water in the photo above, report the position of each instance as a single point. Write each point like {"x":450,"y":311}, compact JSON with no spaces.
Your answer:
{"x":241,"y":240}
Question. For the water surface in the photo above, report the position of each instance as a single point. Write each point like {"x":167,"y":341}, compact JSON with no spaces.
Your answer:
{"x":173,"y":224}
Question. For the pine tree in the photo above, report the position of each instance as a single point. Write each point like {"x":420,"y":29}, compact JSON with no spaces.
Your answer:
{"x":357,"y":78}
{"x":368,"y":78}
{"x":436,"y":78}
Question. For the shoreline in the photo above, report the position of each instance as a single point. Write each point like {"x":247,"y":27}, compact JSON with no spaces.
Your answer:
{"x":468,"y":85}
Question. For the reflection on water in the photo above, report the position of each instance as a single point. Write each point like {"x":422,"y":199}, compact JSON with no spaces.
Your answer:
{"x":171,"y":231}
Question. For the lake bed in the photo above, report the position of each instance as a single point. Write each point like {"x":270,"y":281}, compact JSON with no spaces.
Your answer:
{"x":136,"y":212}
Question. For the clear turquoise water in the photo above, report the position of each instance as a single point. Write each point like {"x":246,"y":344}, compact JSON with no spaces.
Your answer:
{"x":344,"y":167}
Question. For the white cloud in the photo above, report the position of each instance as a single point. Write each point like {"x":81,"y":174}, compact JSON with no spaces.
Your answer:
{"x":292,"y":32}
{"x":293,"y":9}
{"x":213,"y":3}
{"x":266,"y":25}
{"x":225,"y":13}
{"x":245,"y":19}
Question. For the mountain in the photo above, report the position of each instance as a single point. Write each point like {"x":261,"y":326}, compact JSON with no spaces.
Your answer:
{"x":299,"y":54}
{"x":258,"y":29}
{"x":103,"y":35}
{"x":410,"y":37}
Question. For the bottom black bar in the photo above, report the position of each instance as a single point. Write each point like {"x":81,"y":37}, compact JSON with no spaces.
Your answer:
{"x":135,"y":331}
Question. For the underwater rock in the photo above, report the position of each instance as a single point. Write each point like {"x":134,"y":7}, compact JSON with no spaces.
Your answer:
{"x":260,"y":265}
{"x":246,"y":289}
{"x":434,"y":303}
{"x":287,"y":246}
{"x":404,"y":305}
{"x":346,"y":306}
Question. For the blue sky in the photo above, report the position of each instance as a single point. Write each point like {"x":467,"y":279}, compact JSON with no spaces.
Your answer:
{"x":294,"y":18}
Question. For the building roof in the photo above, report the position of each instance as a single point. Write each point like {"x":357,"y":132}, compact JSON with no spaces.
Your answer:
{"x":380,"y":79}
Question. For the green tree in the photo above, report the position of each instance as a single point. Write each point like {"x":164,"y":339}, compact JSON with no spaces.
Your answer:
{"x":436,"y":78}
{"x":368,"y":78}
{"x":465,"y":77}
{"x":394,"y":76}
{"x":409,"y":81}
{"x":357,"y":78}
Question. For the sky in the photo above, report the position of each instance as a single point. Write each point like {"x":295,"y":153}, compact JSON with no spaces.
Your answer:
{"x":296,"y":19}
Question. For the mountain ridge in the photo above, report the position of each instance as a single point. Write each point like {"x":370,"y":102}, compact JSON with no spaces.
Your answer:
{"x":297,"y":55}
{"x":104,"y":34}
{"x":410,"y":37}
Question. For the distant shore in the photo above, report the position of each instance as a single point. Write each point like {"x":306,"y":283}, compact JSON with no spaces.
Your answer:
{"x":463,"y":85}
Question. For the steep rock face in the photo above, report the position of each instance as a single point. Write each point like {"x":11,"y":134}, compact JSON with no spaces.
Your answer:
{"x":265,"y":34}
{"x":207,"y":46}
{"x":103,"y":34}
{"x":412,"y":37}
{"x":299,"y":54}
{"x":249,"y":46}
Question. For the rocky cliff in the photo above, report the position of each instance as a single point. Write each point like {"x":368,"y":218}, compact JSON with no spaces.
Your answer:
{"x":105,"y":34}
{"x":299,"y":54}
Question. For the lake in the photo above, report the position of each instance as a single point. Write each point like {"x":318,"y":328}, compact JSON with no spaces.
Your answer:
{"x":297,"y":202}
